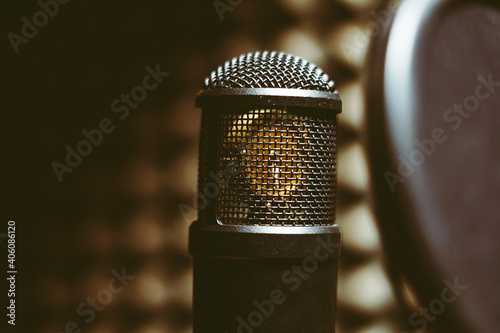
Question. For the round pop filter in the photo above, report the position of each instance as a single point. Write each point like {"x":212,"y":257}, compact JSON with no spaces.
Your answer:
{"x":434,"y":144}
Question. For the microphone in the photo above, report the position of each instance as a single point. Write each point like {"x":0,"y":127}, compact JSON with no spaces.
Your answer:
{"x":265,"y":245}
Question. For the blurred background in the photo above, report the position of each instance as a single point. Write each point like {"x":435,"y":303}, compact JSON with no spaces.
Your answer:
{"x":118,"y":210}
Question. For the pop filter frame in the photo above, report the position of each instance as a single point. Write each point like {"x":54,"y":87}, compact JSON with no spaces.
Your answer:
{"x":433,"y":138}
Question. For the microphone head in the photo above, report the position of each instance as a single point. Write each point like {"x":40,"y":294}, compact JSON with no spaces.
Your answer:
{"x":269,"y":70}
{"x":268,"y":143}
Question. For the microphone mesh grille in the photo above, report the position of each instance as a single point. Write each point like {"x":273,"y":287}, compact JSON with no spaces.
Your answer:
{"x":271,"y":167}
{"x":269,"y":70}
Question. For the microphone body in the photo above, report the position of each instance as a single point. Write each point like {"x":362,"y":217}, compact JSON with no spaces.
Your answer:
{"x":265,"y":245}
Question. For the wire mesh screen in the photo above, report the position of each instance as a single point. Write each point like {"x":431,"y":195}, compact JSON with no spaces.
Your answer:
{"x":275,"y":167}
{"x":269,"y":70}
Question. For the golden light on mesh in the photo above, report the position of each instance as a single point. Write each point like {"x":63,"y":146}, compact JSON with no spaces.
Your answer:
{"x":267,"y":141}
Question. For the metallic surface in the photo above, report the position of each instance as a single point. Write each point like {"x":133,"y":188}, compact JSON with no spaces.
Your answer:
{"x":284,"y":167}
{"x":240,"y":296}
{"x":269,"y":70}
{"x":253,"y":242}
{"x":270,"y":97}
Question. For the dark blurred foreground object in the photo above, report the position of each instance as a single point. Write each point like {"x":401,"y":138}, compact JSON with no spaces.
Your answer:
{"x":434,"y":143}
{"x":265,"y":245}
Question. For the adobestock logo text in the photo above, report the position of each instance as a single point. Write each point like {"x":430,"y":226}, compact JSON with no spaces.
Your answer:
{"x":29,"y":28}
{"x":94,"y":137}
